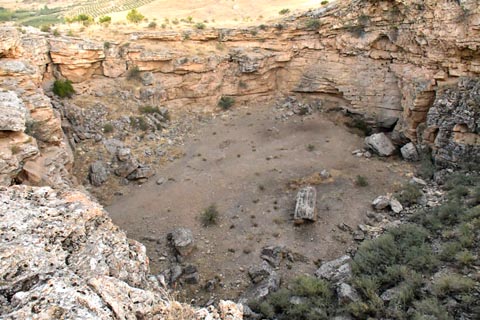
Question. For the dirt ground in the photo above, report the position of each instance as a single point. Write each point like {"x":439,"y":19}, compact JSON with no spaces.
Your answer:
{"x":244,"y":161}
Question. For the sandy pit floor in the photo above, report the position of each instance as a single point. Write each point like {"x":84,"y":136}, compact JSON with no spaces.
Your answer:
{"x":250,"y":164}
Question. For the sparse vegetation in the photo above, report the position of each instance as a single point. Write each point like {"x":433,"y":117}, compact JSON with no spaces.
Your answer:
{"x":226,"y":102}
{"x":209,"y":216}
{"x":134,"y":73}
{"x":361,"y":181}
{"x":284,"y":11}
{"x":312,"y":24}
{"x":152,"y":25}
{"x":105,"y":20}
{"x":107,"y":128}
{"x":139,"y":123}
{"x":63,"y":88}
{"x":200,"y":25}
{"x":409,"y":194}
{"x":310,"y":147}
{"x":134,"y":16}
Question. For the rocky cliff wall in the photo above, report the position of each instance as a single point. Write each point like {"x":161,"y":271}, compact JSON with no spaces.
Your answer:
{"x":61,"y":257}
{"x":383,"y":58}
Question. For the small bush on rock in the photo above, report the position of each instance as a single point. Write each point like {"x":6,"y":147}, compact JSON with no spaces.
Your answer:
{"x":226,"y":102}
{"x":63,"y":88}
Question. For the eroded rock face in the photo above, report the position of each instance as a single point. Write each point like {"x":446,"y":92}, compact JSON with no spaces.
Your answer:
{"x":32,"y":144}
{"x":62,"y":257}
{"x":453,"y":125}
{"x":12,"y":112}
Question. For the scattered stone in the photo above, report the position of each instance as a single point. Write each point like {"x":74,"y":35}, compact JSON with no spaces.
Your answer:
{"x":123,"y":154}
{"x":305,"y":206}
{"x":335,"y":270}
{"x":182,"y":240}
{"x":273,"y":255}
{"x":380,"y":144}
{"x":175,"y":273}
{"x":258,"y":273}
{"x":147,"y":78}
{"x":410,"y":152}
{"x":389,"y":294}
{"x":395,"y":205}
{"x":160,"y":181}
{"x":142,"y":172}
{"x":325,"y":174}
{"x":98,"y":173}
{"x":381,"y":202}
{"x":418,"y":181}
{"x":346,"y":294}
{"x":358,"y":235}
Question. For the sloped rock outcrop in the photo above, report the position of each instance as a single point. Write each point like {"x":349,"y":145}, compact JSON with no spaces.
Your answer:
{"x":62,"y":257}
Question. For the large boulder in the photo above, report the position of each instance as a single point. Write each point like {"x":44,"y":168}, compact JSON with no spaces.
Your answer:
{"x":98,"y":173}
{"x":182,"y":240}
{"x":410,"y":152}
{"x":380,"y":144}
{"x":305,"y":206}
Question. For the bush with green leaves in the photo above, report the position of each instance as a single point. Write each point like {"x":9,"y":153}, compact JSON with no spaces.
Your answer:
{"x":308,"y":298}
{"x":63,"y":88}
{"x":226,"y":102}
{"x":312,"y":24}
{"x":284,"y":11}
{"x":209,"y":216}
{"x":361,"y":181}
{"x":134,"y":73}
{"x":409,"y":194}
{"x":105,"y":20}
{"x":134,"y":16}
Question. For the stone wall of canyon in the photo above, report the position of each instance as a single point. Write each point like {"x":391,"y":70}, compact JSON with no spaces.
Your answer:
{"x":382,"y":60}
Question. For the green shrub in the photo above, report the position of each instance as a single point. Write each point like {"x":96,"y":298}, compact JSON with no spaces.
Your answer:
{"x":200,"y":25}
{"x":452,"y":284}
{"x":465,"y":258}
{"x":139,"y":123}
{"x":449,"y":250}
{"x":63,"y":88}
{"x":105,"y":19}
{"x":134,"y":16}
{"x":430,"y":308}
{"x":45,"y":28}
{"x":427,"y":168}
{"x":308,"y":298}
{"x":106,"y":45}
{"x":209,"y":216}
{"x":324,"y":2}
{"x":152,"y":25}
{"x":284,"y":11}
{"x":226,"y":102}
{"x":312,"y":24}
{"x":408,"y":195}
{"x":361,"y":181}
{"x":134,"y":73}
{"x":149,"y":110}
{"x":107,"y":128}
{"x":56,"y":33}
{"x":310,"y":147}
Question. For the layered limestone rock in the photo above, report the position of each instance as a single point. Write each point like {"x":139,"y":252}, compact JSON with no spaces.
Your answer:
{"x":32,"y":144}
{"x":384,"y":59}
{"x":62,"y":257}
